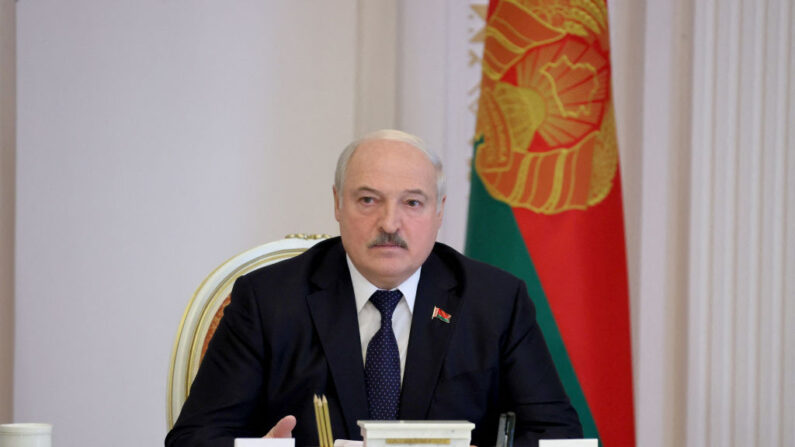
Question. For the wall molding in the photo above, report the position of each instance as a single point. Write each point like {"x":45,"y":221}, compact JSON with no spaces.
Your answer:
{"x":8,"y":107}
{"x":376,"y":66}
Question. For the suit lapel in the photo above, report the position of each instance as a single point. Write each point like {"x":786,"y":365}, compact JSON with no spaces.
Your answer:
{"x":333,"y":311}
{"x":429,"y":338}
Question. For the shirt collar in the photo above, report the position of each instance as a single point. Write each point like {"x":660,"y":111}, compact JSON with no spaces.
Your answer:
{"x":364,"y":289}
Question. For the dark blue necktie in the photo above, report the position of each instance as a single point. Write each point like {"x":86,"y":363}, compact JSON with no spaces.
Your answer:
{"x":382,"y":368}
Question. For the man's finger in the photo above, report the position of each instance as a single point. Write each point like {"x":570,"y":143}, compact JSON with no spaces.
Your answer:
{"x":283,"y":428}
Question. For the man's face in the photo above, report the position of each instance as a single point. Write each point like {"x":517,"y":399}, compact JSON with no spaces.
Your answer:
{"x":389,"y":189}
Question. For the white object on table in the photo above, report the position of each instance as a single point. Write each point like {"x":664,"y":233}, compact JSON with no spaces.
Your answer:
{"x":264,"y":442}
{"x":347,"y":443}
{"x":416,"y":433}
{"x":26,"y":435}
{"x":593,"y":442}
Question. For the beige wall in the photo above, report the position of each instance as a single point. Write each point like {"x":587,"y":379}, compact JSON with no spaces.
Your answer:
{"x":7,"y":180}
{"x":157,"y":139}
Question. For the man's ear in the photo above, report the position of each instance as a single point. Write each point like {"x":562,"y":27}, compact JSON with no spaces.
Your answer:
{"x":336,"y":203}
{"x":440,"y":211}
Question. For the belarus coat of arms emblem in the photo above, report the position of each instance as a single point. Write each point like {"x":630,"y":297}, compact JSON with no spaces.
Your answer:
{"x":545,"y":138}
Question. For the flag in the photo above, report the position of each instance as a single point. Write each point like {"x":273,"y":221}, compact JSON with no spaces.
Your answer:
{"x":545,"y":202}
{"x":439,"y":314}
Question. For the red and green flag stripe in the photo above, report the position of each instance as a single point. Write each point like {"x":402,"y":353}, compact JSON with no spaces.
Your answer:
{"x":545,"y":202}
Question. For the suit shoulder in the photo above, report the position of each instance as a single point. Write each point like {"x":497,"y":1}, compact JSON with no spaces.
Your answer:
{"x":493,"y":297}
{"x":299,"y":267}
{"x":469,"y":271}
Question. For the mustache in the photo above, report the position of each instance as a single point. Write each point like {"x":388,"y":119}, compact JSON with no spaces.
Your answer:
{"x":388,"y":239}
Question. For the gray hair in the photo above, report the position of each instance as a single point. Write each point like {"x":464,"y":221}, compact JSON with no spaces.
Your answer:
{"x":394,"y":135}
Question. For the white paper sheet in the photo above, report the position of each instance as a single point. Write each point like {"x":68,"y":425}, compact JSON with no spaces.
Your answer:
{"x":568,"y":443}
{"x":265,"y":442}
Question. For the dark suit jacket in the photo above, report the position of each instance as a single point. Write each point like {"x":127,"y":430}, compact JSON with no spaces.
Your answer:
{"x":291,"y":331}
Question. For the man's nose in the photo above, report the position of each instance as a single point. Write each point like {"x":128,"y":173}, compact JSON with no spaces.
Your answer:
{"x":390,"y":218}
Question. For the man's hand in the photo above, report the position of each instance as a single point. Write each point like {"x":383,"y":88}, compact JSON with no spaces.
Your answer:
{"x":283,"y":428}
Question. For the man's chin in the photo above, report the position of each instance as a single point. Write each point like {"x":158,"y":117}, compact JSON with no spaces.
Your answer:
{"x":389,"y":271}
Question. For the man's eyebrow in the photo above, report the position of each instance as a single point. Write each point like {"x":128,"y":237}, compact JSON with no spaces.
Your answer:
{"x":418,"y":192}
{"x":367,"y":189}
{"x":372,"y":190}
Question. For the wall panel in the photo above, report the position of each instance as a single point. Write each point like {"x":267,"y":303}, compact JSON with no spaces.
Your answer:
{"x":740,"y":206}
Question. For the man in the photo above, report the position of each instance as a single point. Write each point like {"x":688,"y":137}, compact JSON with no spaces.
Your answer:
{"x":462,"y":342}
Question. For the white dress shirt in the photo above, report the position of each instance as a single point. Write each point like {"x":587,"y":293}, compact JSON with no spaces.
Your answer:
{"x":370,"y":317}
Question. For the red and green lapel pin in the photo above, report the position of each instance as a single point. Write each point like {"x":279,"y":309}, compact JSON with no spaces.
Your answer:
{"x":441,"y":315}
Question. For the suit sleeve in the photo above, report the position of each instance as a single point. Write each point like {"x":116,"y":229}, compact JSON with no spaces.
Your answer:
{"x":533,"y":388}
{"x":225,"y":397}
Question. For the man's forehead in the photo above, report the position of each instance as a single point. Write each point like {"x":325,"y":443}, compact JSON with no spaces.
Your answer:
{"x":380,"y":147}
{"x":374,"y":155}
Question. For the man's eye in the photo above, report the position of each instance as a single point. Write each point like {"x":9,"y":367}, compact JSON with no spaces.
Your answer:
{"x":367,"y":200}
{"x":413,"y":203}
